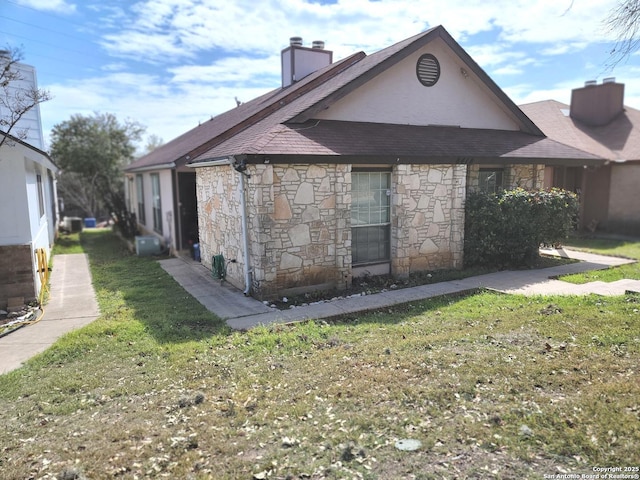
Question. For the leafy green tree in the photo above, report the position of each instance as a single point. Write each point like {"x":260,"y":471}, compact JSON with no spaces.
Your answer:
{"x":93,"y":150}
{"x":153,"y":142}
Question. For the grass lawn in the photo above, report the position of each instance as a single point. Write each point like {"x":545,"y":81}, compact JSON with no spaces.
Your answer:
{"x":604,"y":246}
{"x":493,"y":386}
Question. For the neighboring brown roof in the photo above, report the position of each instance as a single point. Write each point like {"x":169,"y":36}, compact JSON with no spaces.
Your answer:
{"x":619,"y":140}
{"x":392,"y":143}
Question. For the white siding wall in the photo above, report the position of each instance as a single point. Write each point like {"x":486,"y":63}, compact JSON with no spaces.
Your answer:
{"x":15,"y":224}
{"x":21,"y":221}
{"x":396,"y":96}
{"x":168,"y":220}
{"x":30,"y":121}
{"x":166,"y":194}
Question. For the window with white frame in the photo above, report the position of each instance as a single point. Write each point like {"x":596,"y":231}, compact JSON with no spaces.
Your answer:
{"x":370,"y":217}
{"x":157,"y":205}
{"x":140,"y":199}
{"x":39,"y":187}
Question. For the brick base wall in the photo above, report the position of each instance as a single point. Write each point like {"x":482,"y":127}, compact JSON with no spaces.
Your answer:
{"x":16,"y":273}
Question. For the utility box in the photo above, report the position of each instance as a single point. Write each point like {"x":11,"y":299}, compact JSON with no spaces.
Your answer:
{"x":72,"y":224}
{"x":148,"y":245}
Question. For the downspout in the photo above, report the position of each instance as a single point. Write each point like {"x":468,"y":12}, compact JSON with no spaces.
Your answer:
{"x":240,"y":168}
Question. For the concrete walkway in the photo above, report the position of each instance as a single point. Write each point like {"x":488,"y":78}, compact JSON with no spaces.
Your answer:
{"x":72,"y":304}
{"x":241,"y":312}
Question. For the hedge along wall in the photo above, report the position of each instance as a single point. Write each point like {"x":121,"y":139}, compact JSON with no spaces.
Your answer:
{"x":507,"y":229}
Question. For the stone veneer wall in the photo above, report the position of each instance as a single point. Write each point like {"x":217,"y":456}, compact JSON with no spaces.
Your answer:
{"x":299,"y":222}
{"x":529,"y":176}
{"x":427,"y":217}
{"x":300,"y":227}
{"x":219,"y":219}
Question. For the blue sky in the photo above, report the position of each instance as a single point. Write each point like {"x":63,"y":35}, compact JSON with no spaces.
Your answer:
{"x":170,"y":64}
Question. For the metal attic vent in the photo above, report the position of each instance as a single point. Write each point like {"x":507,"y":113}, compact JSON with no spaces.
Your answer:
{"x":428,"y":70}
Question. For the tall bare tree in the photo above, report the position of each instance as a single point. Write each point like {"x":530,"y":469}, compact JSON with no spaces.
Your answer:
{"x":16,"y":98}
{"x":624,"y":23}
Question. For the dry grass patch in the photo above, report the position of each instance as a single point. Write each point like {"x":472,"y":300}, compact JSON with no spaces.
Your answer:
{"x":493,"y":386}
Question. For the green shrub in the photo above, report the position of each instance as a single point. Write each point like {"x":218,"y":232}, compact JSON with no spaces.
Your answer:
{"x":506,"y":229}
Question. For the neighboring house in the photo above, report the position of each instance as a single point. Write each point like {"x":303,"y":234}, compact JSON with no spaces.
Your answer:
{"x":161,"y":189}
{"x":356,"y":167}
{"x":598,"y":122}
{"x":28,"y":202}
{"x":28,"y":215}
{"x":155,"y":192}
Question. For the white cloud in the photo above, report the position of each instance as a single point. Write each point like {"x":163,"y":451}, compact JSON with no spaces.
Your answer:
{"x":238,"y":70}
{"x":166,"y":111}
{"x":59,"y":6}
{"x":204,"y":53}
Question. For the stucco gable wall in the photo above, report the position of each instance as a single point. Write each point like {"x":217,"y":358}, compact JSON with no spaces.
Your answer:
{"x":396,"y":96}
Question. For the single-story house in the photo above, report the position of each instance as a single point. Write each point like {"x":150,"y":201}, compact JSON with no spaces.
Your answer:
{"x":361,"y":166}
{"x":28,"y":198}
{"x":28,"y":213}
{"x":598,"y":122}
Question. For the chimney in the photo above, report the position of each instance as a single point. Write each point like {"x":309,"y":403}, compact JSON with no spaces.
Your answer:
{"x":299,"y":61}
{"x":597,"y":105}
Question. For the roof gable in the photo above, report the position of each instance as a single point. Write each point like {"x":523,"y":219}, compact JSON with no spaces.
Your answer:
{"x":458,"y":98}
{"x":386,"y":59}
{"x":354,"y":75}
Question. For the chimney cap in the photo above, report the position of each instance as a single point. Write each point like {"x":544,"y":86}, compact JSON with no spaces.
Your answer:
{"x":318,"y":44}
{"x":590,"y":83}
{"x":609,"y":80}
{"x":295,"y":41}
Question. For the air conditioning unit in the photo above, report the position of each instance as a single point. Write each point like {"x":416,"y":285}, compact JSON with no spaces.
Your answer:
{"x":148,"y":245}
{"x":72,"y":224}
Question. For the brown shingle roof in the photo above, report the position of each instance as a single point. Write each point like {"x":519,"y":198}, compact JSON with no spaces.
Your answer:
{"x":274,"y":123}
{"x":619,"y":140}
{"x":335,"y":87}
{"x":402,"y":143}
{"x":210,"y":133}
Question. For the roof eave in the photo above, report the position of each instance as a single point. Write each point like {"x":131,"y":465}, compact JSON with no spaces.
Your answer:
{"x":51,"y":165}
{"x":148,"y":168}
{"x":420,"y":160}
